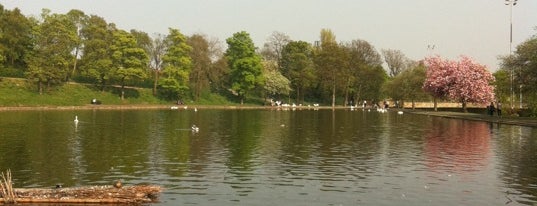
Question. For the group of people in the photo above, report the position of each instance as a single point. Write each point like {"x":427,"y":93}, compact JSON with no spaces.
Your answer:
{"x":491,"y":109}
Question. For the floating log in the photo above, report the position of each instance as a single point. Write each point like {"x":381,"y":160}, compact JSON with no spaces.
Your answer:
{"x":88,"y":194}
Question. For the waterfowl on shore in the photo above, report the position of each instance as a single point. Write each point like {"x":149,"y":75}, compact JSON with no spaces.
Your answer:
{"x":118,"y":184}
{"x":195,"y":128}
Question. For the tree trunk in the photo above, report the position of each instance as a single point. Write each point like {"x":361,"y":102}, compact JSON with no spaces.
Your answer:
{"x":435,"y":103}
{"x":298,"y":95}
{"x":155,"y":82}
{"x":74,"y":63}
{"x":122,"y":89}
{"x":334,"y":96}
{"x":413,"y":104}
{"x":464,"y":107}
{"x":40,"y":87}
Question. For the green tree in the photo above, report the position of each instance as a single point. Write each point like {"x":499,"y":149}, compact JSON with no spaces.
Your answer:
{"x":332,"y":62}
{"x":364,"y":63}
{"x":245,"y":64}
{"x":502,"y":85}
{"x":128,"y":60}
{"x":297,"y":65}
{"x":522,"y":64}
{"x":177,"y":65}
{"x":55,"y":38}
{"x":407,"y":85}
{"x":15,"y":37}
{"x":77,"y":18}
{"x":96,"y":61}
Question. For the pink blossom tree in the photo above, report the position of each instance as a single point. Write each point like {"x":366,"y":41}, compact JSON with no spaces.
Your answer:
{"x":464,"y":81}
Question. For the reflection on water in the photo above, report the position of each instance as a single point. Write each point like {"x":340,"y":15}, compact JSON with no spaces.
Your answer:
{"x":269,"y":157}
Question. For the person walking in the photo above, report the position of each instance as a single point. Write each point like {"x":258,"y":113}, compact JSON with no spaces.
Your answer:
{"x":491,"y":109}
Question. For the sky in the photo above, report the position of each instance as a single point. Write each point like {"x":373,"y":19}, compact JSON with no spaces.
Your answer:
{"x":479,"y":29}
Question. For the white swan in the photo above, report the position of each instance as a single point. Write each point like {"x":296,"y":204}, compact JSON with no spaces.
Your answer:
{"x":76,"y":120}
{"x":400,"y":112}
{"x":195,"y":128}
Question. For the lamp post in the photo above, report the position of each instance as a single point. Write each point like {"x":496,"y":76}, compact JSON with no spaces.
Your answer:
{"x":511,"y":3}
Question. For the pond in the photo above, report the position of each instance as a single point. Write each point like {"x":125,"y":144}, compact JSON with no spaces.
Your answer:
{"x":276,"y":157}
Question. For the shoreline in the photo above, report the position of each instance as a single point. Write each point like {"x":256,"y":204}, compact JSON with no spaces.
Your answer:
{"x":511,"y":120}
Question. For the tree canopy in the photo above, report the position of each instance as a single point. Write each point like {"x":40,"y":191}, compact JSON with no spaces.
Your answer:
{"x":464,"y":81}
{"x":245,"y":64}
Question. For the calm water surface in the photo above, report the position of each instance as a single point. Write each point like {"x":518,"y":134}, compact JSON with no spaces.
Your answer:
{"x":270,"y":157}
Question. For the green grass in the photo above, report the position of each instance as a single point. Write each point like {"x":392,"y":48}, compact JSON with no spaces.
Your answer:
{"x":20,"y":92}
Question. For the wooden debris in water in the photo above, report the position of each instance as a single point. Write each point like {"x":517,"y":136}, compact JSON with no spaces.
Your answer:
{"x":89,"y":194}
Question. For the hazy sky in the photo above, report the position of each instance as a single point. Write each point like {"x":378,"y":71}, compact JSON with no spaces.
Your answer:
{"x":477,"y":28}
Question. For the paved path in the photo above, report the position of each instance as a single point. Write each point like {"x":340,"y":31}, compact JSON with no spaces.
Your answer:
{"x":521,"y":121}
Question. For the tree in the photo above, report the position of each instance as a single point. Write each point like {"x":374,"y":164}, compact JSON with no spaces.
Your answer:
{"x":128,"y":60}
{"x":78,"y":18}
{"x":523,"y":64}
{"x":502,"y":85}
{"x":272,"y":50}
{"x":407,"y":85}
{"x":96,"y":61}
{"x":15,"y":37}
{"x":464,"y":81}
{"x":297,"y":66}
{"x":55,"y":39}
{"x":157,"y":51}
{"x":245,"y":64}
{"x":366,"y":73}
{"x":177,"y":65}
{"x":201,"y":64}
{"x":331,"y":61}
{"x":275,"y":82}
{"x":396,"y":61}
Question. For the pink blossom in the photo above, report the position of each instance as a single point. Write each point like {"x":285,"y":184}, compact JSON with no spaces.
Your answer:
{"x":464,"y":81}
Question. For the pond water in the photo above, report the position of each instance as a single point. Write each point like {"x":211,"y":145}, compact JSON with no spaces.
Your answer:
{"x":274,"y":157}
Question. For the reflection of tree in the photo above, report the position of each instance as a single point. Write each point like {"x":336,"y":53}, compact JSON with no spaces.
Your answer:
{"x":518,"y":146}
{"x":115,"y":143}
{"x":457,"y":145}
{"x":245,"y":130}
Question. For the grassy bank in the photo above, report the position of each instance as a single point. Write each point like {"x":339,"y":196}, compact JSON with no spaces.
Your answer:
{"x":20,"y":92}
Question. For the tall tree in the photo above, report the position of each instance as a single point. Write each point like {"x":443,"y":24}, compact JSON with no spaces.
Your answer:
{"x":177,"y":65}
{"x":55,"y":39}
{"x":78,"y":18}
{"x":15,"y":37}
{"x":364,"y":62}
{"x":522,"y":65}
{"x":331,"y":61}
{"x":158,"y":49}
{"x":128,"y":60}
{"x":272,"y":50}
{"x":96,"y":61}
{"x":396,"y":61}
{"x":464,"y":81}
{"x":297,"y":65}
{"x":245,"y":64}
{"x":407,"y":85}
{"x":201,"y":64}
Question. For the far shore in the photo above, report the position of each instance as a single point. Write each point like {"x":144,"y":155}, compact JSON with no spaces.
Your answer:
{"x":134,"y":107}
